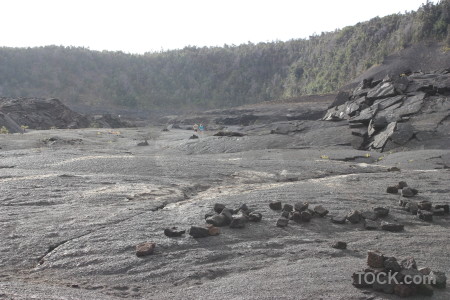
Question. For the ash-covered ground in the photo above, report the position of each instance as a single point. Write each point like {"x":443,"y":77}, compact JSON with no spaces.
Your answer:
{"x":75,"y":203}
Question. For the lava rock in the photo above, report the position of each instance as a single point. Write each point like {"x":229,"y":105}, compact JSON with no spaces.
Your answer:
{"x":238,"y":222}
{"x":227,"y":215}
{"x":425,"y":215}
{"x":288,"y":208}
{"x":282,"y":222}
{"x":425,"y":271}
{"x":407,"y":192}
{"x":254,"y":217}
{"x":354,"y":217}
{"x":438,"y":279}
{"x":425,"y":290}
{"x":301,"y":206}
{"x":174,"y":232}
{"x":217,"y":220}
{"x":412,"y":207}
{"x":375,"y":259}
{"x":218,"y":207}
{"x":425,"y":205}
{"x":370,"y":225}
{"x":391,"y":264}
{"x":392,"y":227}
{"x":322,"y":212}
{"x":198,"y":232}
{"x":445,"y":207}
{"x":339,"y":245}
{"x":392,"y":190}
{"x":369,"y":215}
{"x":286,"y":214}
{"x":275,"y":205}
{"x":212,"y":230}
{"x":403,"y":290}
{"x":193,"y":137}
{"x":408,"y":263}
{"x":145,"y":249}
{"x":382,"y":285}
{"x":305,"y":216}
{"x":401,"y":185}
{"x":338,"y":219}
{"x":381,"y":212}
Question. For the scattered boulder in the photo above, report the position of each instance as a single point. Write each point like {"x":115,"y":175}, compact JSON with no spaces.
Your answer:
{"x":392,"y":227}
{"x":425,"y":205}
{"x":193,"y":137}
{"x":276,"y":205}
{"x":425,"y":215}
{"x":198,"y":232}
{"x":408,"y":263}
{"x":403,"y":290}
{"x":370,"y":225}
{"x":288,"y":207}
{"x":438,"y":279}
{"x":401,"y":185}
{"x":144,"y":143}
{"x":391,"y":264}
{"x":286,"y":214}
{"x":354,"y":216}
{"x":254,"y":217}
{"x":407,"y":192}
{"x":218,"y":207}
{"x":217,"y":220}
{"x":381,"y":212}
{"x":369,"y":215}
{"x":322,"y":212}
{"x":425,"y":290}
{"x":339,"y":219}
{"x":300,"y":206}
{"x":375,"y":259}
{"x":229,"y":133}
{"x":145,"y":249}
{"x":174,"y":232}
{"x":392,"y":190}
{"x":282,"y":222}
{"x":445,"y":207}
{"x":238,"y":222}
{"x":339,"y":245}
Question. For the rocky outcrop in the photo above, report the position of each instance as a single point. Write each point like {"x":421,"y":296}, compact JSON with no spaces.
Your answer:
{"x":35,"y":113}
{"x":408,"y":111}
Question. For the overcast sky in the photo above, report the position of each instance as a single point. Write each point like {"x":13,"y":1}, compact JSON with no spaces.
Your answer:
{"x":138,"y":26}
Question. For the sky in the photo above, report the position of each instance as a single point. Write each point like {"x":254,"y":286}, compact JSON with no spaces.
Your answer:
{"x":139,"y":26}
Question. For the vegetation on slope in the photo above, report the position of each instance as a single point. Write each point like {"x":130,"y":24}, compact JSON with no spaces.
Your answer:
{"x":217,"y":76}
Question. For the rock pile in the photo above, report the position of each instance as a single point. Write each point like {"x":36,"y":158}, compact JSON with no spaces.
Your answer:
{"x":424,"y":209}
{"x":402,"y":278}
{"x":299,"y":213}
{"x":407,"y":111}
{"x":404,"y":188}
{"x":234,"y":218}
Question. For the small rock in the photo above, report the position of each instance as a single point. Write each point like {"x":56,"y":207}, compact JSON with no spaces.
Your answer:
{"x":382,"y":285}
{"x":209,"y":214}
{"x":218,"y":207}
{"x":276,"y":205}
{"x":393,"y":169}
{"x":403,"y":202}
{"x":145,"y":249}
{"x":401,"y":185}
{"x":198,"y":232}
{"x":391,"y":264}
{"x":244,"y":208}
{"x":217,"y":220}
{"x":144,"y":143}
{"x":425,"y":290}
{"x":338,"y":219}
{"x":425,"y":271}
{"x":438,"y":211}
{"x":425,"y":215}
{"x":339,"y":245}
{"x":282,"y":222}
{"x":375,"y":259}
{"x":193,"y":137}
{"x":425,"y":205}
{"x":407,"y":192}
{"x":354,"y":216}
{"x":174,"y":232}
{"x":288,"y":207}
{"x":415,"y":191}
{"x":408,"y":263}
{"x":305,"y":216}
{"x":285,"y":214}
{"x":238,"y":222}
{"x":393,"y":227}
{"x":301,"y":206}
{"x":368,"y":214}
{"x":381,"y":212}
{"x":254,"y":217}
{"x":320,"y":210}
{"x":370,"y":225}
{"x":404,"y":290}
{"x":445,"y":207}
{"x":227,"y":215}
{"x":438,"y":279}
{"x":360,"y":282}
{"x":212,"y":230}
{"x":412,"y":207}
{"x":392,"y":190}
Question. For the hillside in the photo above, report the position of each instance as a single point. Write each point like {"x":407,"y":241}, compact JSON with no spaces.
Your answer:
{"x":193,"y":78}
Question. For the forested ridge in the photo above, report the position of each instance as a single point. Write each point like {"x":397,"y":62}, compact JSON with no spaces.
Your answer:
{"x":217,"y":76}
